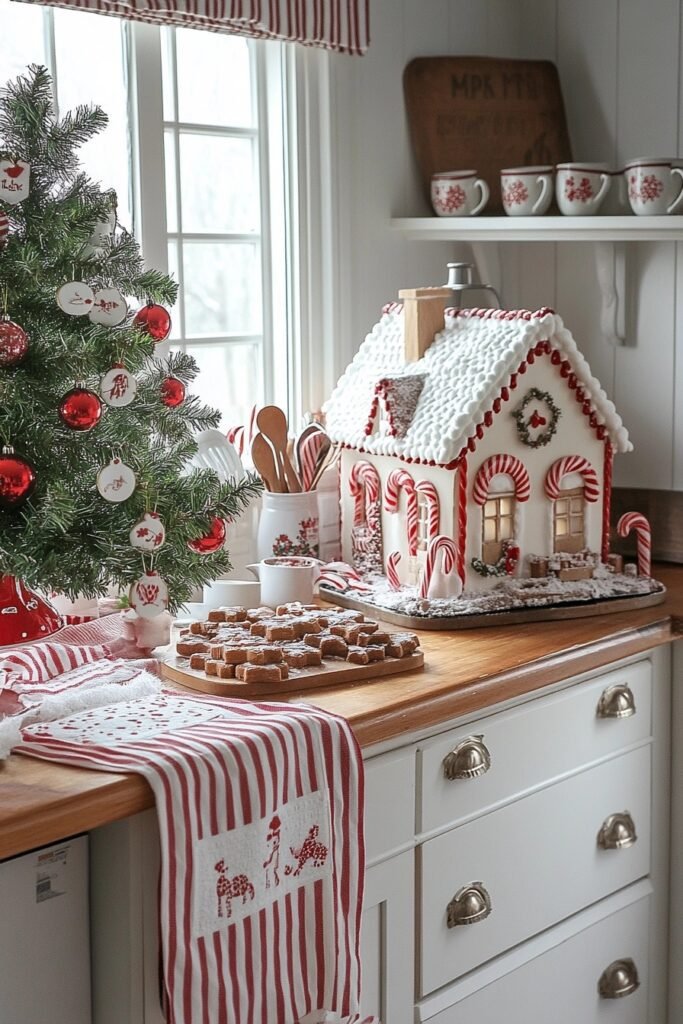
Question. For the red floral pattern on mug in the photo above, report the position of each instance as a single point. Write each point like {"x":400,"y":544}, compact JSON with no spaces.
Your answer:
{"x":650,"y":189}
{"x":453,"y":198}
{"x":580,"y":192}
{"x":516,"y":193}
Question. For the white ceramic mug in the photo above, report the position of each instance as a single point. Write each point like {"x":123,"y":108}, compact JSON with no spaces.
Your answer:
{"x":581,"y":188}
{"x":286,"y":579}
{"x":526,"y":191}
{"x":655,"y":186}
{"x":458,"y":193}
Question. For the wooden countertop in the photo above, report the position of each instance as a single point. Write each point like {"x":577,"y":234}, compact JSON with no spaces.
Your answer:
{"x":464,"y":672}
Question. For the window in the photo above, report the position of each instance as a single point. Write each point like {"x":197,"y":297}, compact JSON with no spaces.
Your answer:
{"x":497,"y":526}
{"x":195,"y":151}
{"x":422,"y":522}
{"x":568,"y":521}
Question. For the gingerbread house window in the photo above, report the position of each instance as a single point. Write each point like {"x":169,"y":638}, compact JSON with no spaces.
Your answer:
{"x":497,"y":525}
{"x":422,"y":521}
{"x":569,"y":521}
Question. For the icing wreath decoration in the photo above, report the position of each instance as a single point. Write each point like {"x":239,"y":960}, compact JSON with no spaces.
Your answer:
{"x":537,"y":419}
{"x":506,"y":564}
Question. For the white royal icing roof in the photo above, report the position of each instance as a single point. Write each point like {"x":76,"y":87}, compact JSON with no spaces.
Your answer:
{"x":466,"y":366}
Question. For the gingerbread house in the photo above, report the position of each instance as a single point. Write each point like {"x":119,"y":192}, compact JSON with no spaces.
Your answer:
{"x":486,"y":426}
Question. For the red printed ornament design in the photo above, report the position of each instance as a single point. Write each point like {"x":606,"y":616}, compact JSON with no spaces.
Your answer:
{"x":149,"y":533}
{"x":149,"y":595}
{"x":154,"y":320}
{"x":15,"y":178}
{"x":211,"y":541}
{"x":118,"y":387}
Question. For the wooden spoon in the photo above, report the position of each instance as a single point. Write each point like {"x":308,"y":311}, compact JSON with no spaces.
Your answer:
{"x":263,"y":458}
{"x":273,"y":423}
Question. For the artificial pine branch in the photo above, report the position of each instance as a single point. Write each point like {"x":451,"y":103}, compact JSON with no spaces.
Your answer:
{"x":66,"y":537}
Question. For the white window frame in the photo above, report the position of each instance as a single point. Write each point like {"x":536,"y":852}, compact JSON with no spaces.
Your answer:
{"x":277,"y":338}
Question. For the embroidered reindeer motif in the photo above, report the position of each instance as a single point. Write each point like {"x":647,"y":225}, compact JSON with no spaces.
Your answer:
{"x":273,"y":861}
{"x":311,"y":850}
{"x":228,"y":889}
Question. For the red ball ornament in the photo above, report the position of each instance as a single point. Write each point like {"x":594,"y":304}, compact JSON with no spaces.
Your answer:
{"x":172,"y":392}
{"x":17,"y":478}
{"x":13,"y":342}
{"x":154,"y":320}
{"x":80,"y":409}
{"x":211,"y":541}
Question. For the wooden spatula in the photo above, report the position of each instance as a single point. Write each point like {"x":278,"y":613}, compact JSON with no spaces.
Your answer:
{"x":263,"y":458}
{"x":273,"y":423}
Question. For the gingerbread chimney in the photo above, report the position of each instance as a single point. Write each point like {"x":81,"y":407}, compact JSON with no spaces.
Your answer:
{"x":422,"y":318}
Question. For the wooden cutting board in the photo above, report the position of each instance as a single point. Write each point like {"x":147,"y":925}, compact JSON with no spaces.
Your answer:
{"x":484,"y":114}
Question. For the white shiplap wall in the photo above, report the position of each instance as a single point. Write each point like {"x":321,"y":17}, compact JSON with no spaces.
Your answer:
{"x":620,"y":68}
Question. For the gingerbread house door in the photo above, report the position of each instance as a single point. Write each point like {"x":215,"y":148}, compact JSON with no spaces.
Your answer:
{"x":569,"y":532}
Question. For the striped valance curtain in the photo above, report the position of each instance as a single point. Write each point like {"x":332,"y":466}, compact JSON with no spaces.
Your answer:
{"x":341,"y":25}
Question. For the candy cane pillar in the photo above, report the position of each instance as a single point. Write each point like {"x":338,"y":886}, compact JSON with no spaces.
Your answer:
{"x":461,"y":520}
{"x":637,"y":522}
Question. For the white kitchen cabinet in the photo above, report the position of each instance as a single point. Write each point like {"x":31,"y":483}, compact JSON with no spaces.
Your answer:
{"x":562,"y":908}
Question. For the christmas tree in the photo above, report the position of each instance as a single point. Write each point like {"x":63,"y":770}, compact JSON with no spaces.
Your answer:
{"x":96,"y":432}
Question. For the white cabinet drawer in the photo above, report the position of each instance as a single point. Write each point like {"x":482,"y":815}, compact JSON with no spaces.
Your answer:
{"x":539,"y":860}
{"x":533,"y":744}
{"x":561,"y":984}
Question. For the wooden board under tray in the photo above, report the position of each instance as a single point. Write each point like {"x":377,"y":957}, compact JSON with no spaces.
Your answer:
{"x":333,"y":672}
{"x":569,"y":610}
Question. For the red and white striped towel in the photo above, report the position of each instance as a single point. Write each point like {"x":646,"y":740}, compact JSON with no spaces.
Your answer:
{"x":260,"y":813}
{"x":67,"y":649}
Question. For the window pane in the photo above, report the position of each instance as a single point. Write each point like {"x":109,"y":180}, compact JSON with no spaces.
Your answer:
{"x":576,"y":524}
{"x":505,"y":528}
{"x":489,"y":529}
{"x":21,"y":39}
{"x":222,"y":288}
{"x":90,"y":67}
{"x":219,"y":184}
{"x":561,"y":527}
{"x":506,"y":506}
{"x":214,"y":79}
{"x":171,"y":185}
{"x":229,"y":379}
{"x":167,"y":74}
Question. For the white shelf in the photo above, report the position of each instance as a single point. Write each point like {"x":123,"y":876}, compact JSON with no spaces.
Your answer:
{"x":540,"y":229}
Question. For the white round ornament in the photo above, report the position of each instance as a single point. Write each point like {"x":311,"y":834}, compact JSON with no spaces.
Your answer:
{"x":75,"y":298}
{"x":109,"y":307}
{"x":149,"y":533}
{"x":118,"y":387}
{"x":116,"y":481}
{"x":15,"y":181}
{"x":149,"y":595}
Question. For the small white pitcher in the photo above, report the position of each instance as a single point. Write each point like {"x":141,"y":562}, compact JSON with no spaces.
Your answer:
{"x":286,"y":579}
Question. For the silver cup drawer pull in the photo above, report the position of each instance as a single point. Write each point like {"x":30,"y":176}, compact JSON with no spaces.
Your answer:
{"x":619,"y":979}
{"x":470,"y":904}
{"x":469,"y":759}
{"x":616,"y":702}
{"x":618,"y":832}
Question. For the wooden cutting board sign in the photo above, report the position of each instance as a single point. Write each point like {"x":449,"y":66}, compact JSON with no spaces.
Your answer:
{"x":484,"y":114}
